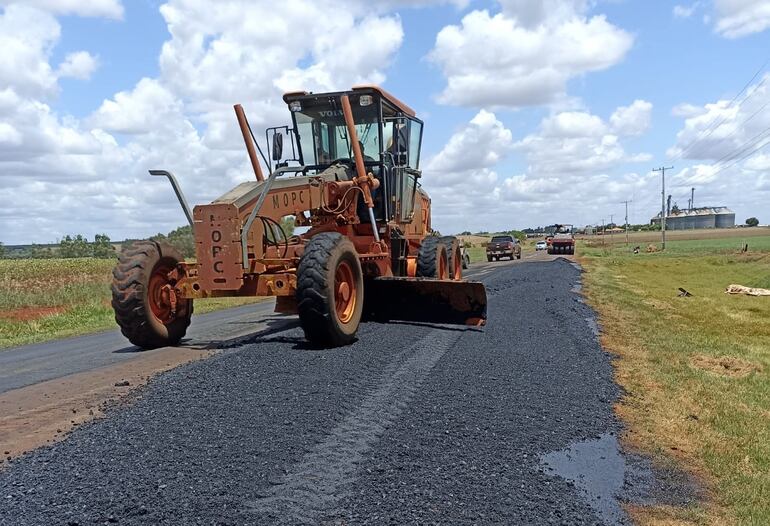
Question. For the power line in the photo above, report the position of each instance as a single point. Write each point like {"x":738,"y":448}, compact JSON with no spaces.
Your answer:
{"x":712,"y":128}
{"x":749,"y":154}
{"x":743,"y":147}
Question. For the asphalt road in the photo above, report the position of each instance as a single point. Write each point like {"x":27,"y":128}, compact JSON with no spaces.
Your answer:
{"x":412,"y":424}
{"x":30,"y":364}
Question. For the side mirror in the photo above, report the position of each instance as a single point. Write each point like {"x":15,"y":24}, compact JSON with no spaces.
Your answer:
{"x":277,"y":146}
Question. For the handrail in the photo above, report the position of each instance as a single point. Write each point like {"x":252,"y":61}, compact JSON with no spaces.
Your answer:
{"x":177,"y":190}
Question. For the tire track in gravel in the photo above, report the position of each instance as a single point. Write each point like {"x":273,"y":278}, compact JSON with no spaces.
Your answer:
{"x":318,"y":482}
{"x":321,"y":480}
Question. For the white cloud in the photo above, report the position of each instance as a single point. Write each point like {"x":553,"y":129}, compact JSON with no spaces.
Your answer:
{"x":90,"y":175}
{"x":686,"y":110}
{"x":685,"y":11}
{"x":525,"y":54}
{"x":79,"y":65}
{"x":738,"y":18}
{"x":731,"y":144}
{"x":632,"y":120}
{"x":26,"y":37}
{"x":580,"y":143}
{"x":482,"y":143}
{"x":96,"y":8}
{"x":721,"y":128}
{"x":148,"y":107}
{"x":571,"y":160}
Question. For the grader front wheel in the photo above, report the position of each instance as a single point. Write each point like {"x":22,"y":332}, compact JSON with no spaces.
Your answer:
{"x":142,"y":296}
{"x":330,"y":290}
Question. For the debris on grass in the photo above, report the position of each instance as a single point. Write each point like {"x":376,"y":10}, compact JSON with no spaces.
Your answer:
{"x":749,"y":291}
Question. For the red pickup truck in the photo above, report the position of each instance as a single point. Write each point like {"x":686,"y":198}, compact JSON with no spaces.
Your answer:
{"x":503,"y":247}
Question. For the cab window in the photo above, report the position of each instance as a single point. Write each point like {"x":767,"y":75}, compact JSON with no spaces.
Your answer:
{"x":415,"y":135}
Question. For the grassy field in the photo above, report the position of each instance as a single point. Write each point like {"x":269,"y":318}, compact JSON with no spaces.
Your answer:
{"x":695,"y":370}
{"x":44,"y":299}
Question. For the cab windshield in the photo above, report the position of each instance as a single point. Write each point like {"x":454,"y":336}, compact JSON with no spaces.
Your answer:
{"x":323,"y":136}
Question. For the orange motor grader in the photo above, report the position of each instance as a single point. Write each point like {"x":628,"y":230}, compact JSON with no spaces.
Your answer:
{"x":367,"y":252}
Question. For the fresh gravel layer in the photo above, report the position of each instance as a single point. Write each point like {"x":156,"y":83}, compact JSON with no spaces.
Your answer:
{"x":412,"y":424}
{"x":202,"y":441}
{"x":468,"y":450}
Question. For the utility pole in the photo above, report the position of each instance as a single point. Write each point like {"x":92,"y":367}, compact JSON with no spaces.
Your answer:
{"x":662,"y":171}
{"x":612,"y":230}
{"x":604,"y":232}
{"x":626,"y":225}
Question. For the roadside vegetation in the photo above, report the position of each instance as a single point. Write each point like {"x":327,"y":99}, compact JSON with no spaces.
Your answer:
{"x":695,"y":369}
{"x":45,"y":299}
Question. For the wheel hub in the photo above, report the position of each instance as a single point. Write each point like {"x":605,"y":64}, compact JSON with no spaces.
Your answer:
{"x":161,"y":296}
{"x":344,"y":292}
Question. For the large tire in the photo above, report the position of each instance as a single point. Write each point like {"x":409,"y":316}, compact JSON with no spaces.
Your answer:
{"x":454,"y":257}
{"x":330,"y":290}
{"x":466,"y":261}
{"x":432,"y":261}
{"x":489,"y":259}
{"x":143,"y":318}
{"x":518,"y":256}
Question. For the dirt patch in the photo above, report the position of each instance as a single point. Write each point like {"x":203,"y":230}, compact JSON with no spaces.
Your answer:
{"x":38,"y":414}
{"x":724,"y":365}
{"x":30,"y":313}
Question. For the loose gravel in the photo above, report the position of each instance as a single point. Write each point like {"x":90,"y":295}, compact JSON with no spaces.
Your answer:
{"x":412,"y":424}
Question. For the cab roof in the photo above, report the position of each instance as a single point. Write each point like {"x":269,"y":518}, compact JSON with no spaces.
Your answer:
{"x":357,"y":90}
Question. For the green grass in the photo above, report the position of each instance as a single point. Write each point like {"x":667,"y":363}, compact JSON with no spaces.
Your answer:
{"x":45,"y":299}
{"x":695,"y":370}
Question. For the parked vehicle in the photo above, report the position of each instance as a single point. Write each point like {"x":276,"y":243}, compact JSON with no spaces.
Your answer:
{"x":541,"y":245}
{"x":465,"y":257}
{"x":503,"y":247}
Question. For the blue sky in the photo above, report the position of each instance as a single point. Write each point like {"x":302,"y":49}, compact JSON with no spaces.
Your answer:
{"x":533,"y":116}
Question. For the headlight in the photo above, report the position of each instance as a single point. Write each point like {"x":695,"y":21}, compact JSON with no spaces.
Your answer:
{"x":365,"y":100}
{"x":295,"y":106}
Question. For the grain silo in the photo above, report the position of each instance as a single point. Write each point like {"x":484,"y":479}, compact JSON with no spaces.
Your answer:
{"x":701,"y":217}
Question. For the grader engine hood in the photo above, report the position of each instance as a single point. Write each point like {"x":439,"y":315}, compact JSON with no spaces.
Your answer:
{"x":218,"y":226}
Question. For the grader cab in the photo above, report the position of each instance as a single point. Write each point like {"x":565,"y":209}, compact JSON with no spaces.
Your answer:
{"x":351,"y":179}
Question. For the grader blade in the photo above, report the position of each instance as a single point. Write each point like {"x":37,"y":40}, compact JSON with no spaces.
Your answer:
{"x":426,"y":300}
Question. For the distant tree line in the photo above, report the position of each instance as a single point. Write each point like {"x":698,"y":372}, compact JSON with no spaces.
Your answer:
{"x":180,"y":238}
{"x":183,"y":240}
{"x":77,"y":246}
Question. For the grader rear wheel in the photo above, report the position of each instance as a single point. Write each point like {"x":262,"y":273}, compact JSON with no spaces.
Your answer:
{"x":142,"y":296}
{"x":330,"y":290}
{"x":432,"y":261}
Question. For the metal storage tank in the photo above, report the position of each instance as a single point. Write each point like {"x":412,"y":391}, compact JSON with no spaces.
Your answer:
{"x":696,"y":218}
